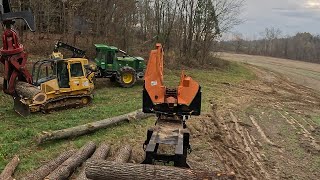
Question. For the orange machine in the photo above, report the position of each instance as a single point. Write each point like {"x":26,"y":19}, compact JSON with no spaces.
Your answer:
{"x":183,"y":100}
{"x":173,"y":107}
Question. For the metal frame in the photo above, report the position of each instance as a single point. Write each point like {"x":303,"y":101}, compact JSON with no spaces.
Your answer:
{"x":181,"y":143}
{"x":37,"y":65}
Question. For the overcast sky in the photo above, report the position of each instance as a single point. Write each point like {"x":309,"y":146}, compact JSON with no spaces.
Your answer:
{"x":291,"y":16}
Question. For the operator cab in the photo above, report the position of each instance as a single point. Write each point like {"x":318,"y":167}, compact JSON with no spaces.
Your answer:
{"x":59,"y":70}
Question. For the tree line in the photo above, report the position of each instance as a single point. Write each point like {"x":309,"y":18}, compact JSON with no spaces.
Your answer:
{"x":188,"y":29}
{"x":301,"y":46}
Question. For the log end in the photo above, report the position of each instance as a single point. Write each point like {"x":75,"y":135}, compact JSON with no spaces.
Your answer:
{"x":40,"y":98}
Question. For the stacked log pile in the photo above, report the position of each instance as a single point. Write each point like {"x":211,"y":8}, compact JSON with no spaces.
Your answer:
{"x":95,"y":166}
{"x":46,"y":169}
{"x":66,"y":169}
{"x":100,"y":154}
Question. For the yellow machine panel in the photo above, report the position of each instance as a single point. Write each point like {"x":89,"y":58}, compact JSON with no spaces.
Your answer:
{"x":50,"y":87}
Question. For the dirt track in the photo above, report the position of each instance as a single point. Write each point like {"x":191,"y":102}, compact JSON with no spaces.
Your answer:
{"x":307,"y":74}
{"x":262,"y":129}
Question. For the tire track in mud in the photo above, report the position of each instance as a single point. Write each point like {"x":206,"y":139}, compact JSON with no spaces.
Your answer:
{"x":308,"y":141}
{"x":232,"y":144}
{"x":249,"y":149}
{"x":261,"y":132}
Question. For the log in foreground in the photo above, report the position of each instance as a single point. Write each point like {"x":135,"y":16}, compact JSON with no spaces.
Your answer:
{"x":68,"y":167}
{"x":9,"y":169}
{"x":31,"y":92}
{"x":100,"y":169}
{"x":124,"y":154}
{"x":90,"y":127}
{"x":43,"y":171}
{"x":100,"y":154}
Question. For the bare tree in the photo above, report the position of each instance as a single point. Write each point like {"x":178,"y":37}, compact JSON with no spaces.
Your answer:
{"x":302,"y":46}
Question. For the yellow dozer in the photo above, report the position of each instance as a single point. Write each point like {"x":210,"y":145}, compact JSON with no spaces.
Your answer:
{"x":57,"y":83}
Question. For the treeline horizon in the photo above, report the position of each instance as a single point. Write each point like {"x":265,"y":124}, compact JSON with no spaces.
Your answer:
{"x":188,"y":29}
{"x":302,"y":46}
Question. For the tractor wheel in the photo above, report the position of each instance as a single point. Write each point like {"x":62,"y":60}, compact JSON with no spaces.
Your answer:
{"x":127,"y":77}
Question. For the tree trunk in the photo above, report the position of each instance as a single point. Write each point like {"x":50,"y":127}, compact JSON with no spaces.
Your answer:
{"x":90,"y":127}
{"x":67,"y":168}
{"x":30,"y":92}
{"x":124,"y":154}
{"x":45,"y":170}
{"x":9,"y":169}
{"x":120,"y":171}
{"x":100,"y":154}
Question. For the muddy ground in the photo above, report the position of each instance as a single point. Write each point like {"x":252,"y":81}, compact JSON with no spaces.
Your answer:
{"x":262,"y":129}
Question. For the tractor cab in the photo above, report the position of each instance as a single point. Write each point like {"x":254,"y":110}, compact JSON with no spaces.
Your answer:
{"x":106,"y":56}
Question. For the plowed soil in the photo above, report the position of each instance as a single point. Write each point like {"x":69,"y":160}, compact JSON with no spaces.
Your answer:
{"x":260,"y":129}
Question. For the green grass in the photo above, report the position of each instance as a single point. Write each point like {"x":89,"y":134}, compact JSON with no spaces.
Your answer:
{"x":316,"y":119}
{"x":17,"y":134}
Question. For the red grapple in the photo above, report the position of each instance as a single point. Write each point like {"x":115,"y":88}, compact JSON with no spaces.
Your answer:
{"x":14,"y":59}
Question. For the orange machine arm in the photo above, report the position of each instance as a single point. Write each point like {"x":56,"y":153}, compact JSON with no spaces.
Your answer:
{"x":187,"y":89}
{"x":153,"y":77}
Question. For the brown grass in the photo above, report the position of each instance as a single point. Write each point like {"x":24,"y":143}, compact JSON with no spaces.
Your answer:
{"x":303,"y":73}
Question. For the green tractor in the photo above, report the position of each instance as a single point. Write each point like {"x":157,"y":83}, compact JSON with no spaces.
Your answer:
{"x":123,"y":68}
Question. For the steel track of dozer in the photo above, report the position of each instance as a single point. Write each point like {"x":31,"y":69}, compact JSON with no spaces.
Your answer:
{"x":70,"y":101}
{"x":63,"y":102}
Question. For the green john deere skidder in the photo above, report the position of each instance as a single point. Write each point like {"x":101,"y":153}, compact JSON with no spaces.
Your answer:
{"x":117,"y":65}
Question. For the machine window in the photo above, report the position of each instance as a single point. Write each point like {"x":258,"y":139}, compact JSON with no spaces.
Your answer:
{"x":63,"y":74}
{"x":109,"y":57}
{"x":76,"y":70}
{"x":99,"y":54}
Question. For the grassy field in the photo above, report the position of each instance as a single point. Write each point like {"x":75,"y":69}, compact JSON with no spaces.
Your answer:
{"x":17,"y":134}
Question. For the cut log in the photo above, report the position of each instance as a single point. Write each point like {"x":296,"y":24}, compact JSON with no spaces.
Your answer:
{"x":67,"y":168}
{"x":124,"y":154}
{"x":9,"y":169}
{"x":100,"y":169}
{"x":45,"y":170}
{"x":90,"y":127}
{"x":30,"y":92}
{"x":100,"y":154}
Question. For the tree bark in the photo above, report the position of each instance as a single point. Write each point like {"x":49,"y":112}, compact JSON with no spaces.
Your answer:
{"x":90,"y":127}
{"x":68,"y":167}
{"x":124,"y":154}
{"x":100,"y":154}
{"x":99,"y":169}
{"x":30,"y":92}
{"x":45,"y":170}
{"x":9,"y":169}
